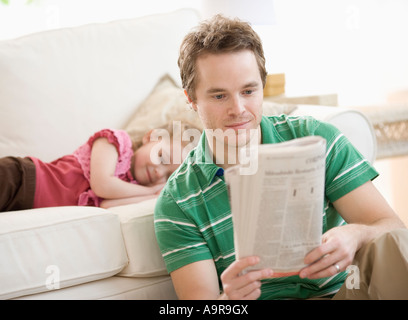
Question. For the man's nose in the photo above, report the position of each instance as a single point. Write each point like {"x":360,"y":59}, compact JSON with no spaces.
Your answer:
{"x":237,"y":106}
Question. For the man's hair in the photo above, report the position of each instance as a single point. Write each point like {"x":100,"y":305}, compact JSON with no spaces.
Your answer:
{"x":215,"y":36}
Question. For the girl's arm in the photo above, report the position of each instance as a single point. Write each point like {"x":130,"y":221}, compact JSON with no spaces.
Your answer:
{"x":104,"y":158}
{"x":107,"y":203}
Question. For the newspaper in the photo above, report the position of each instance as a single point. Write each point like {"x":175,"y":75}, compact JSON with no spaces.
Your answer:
{"x":277,"y":211}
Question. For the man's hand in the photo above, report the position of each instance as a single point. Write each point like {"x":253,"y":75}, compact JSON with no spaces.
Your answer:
{"x":338,"y":247}
{"x":246,"y":286}
{"x":368,"y":215}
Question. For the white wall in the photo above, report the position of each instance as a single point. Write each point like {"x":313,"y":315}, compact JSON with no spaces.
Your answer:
{"x":356,"y":48}
{"x":19,"y":18}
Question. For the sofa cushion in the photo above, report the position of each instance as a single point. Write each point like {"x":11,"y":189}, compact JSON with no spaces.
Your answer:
{"x":145,"y":259}
{"x":51,"y":248}
{"x":114,"y":288}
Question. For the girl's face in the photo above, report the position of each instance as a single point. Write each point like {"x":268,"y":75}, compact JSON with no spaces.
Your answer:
{"x":153,"y":163}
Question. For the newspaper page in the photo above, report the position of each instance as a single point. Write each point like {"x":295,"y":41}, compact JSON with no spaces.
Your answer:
{"x":277,"y":211}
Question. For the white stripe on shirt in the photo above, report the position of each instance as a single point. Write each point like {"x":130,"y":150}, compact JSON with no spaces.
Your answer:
{"x":216,"y":222}
{"x":199,"y":192}
{"x":331,"y":146}
{"x":176,"y":250}
{"x":176,"y":222}
{"x":349,"y":169}
{"x":224,"y":257}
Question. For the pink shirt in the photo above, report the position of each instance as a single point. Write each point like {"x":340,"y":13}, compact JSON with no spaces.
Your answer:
{"x":65,"y":181}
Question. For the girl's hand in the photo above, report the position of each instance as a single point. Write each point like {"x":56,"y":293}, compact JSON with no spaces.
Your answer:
{"x":157,"y":188}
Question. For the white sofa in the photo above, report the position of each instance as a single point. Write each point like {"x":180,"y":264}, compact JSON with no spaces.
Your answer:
{"x":56,"y":89}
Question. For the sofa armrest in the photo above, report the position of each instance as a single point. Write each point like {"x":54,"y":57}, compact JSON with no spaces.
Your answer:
{"x":145,"y":259}
{"x":352,"y":123}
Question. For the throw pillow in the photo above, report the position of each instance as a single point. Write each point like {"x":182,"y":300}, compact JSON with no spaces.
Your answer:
{"x":167,"y":102}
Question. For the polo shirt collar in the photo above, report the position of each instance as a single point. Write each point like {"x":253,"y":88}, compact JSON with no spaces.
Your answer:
{"x":269,"y":133}
{"x":205,"y":161}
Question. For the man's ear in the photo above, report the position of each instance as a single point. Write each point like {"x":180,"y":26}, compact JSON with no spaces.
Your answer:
{"x":190,"y":101}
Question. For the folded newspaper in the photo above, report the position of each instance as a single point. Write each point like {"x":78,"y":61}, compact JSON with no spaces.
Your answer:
{"x":277,"y":211}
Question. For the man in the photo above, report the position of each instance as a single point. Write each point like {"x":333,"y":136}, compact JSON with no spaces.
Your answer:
{"x":223,"y":72}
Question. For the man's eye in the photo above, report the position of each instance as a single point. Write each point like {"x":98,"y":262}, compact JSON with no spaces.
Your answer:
{"x":219,"y":96}
{"x":248,"y":92}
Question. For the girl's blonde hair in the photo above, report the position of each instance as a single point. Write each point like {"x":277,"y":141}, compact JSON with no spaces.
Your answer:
{"x":175,"y":129}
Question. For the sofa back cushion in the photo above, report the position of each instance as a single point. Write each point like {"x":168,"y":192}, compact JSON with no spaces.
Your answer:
{"x":58,"y":87}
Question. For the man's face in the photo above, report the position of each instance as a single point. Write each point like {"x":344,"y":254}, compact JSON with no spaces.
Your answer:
{"x":229,"y":93}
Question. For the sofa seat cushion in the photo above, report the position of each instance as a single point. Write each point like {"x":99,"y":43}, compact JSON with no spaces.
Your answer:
{"x":51,"y":248}
{"x":113,"y":288}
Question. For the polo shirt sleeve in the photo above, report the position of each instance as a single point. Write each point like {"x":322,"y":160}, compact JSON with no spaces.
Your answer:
{"x":346,"y":167}
{"x":179,"y":238}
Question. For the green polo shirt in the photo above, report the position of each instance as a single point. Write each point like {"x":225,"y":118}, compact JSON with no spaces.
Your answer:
{"x":193,"y":219}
